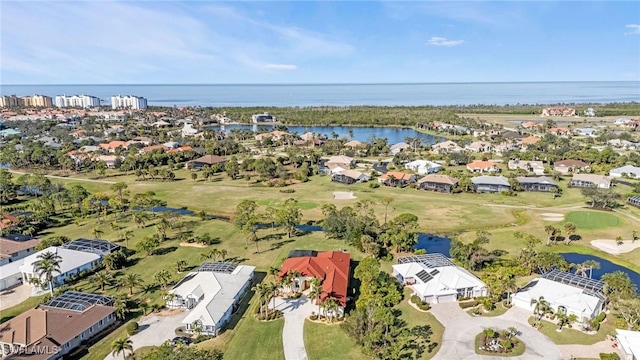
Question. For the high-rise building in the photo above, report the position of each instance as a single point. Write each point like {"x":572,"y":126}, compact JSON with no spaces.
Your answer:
{"x":84,"y":101}
{"x":128,"y":102}
{"x":26,"y":101}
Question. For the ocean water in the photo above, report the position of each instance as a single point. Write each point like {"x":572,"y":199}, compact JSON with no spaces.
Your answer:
{"x":353,"y":94}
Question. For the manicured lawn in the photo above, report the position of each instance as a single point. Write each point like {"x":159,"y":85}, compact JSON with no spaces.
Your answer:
{"x":499,"y":310}
{"x":593,"y":219}
{"x":14,"y":311}
{"x":571,"y":336}
{"x":254,"y":339}
{"x":103,"y":347}
{"x":328,"y":342}
{"x":518,"y":350}
{"x":413,"y":317}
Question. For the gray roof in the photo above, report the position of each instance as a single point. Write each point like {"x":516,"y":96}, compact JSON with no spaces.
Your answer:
{"x":535,"y":180}
{"x":490,"y":180}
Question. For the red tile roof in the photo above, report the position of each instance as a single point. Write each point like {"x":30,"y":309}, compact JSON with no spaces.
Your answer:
{"x":396,"y":175}
{"x":477,"y":164}
{"x":330,"y":266}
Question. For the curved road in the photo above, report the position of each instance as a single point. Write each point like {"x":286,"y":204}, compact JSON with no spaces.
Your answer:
{"x":458,"y":340}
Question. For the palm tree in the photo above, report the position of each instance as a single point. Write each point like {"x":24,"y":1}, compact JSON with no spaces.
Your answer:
{"x":274,"y":271}
{"x":132,"y":280}
{"x":551,"y":231}
{"x":121,"y":346}
{"x":512,"y":331}
{"x":196,"y":327}
{"x":102,"y":279}
{"x":541,"y":308}
{"x":316,"y":291}
{"x":121,"y":308}
{"x":570,"y":229}
{"x":97,"y":232}
{"x":591,"y":264}
{"x":223,"y":254}
{"x":205,"y":256}
{"x":145,"y":307}
{"x":510,"y":285}
{"x":48,"y":263}
{"x":330,"y":307}
{"x":262,"y":291}
{"x":162,"y":277}
{"x":214,"y":253}
{"x":180,"y":265}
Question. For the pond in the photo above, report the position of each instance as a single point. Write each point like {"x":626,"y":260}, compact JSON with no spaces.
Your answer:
{"x":433,"y":244}
{"x":159,"y":209}
{"x":605,"y":266}
{"x":393,"y":135}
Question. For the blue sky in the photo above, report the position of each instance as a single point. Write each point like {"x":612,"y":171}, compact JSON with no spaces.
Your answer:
{"x":317,"y":42}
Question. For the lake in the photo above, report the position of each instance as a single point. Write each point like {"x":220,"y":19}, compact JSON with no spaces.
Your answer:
{"x":393,"y":135}
{"x":605,"y":266}
{"x":433,"y":244}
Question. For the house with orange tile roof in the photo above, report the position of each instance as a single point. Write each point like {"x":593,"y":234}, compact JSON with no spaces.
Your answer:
{"x":179,"y":149}
{"x":332,"y":267}
{"x":152,"y":148}
{"x":397,"y":178}
{"x":113,"y":145}
{"x":483,"y":166}
{"x":559,"y":131}
{"x":529,"y":140}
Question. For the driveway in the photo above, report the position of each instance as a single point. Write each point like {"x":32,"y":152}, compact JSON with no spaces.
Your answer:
{"x":14,"y":296}
{"x":154,"y":330}
{"x":295,"y":311}
{"x":458,"y":340}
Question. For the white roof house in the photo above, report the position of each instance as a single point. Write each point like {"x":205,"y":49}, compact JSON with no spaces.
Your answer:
{"x":437,"y":284}
{"x":630,"y":343}
{"x":571,"y":299}
{"x":423,"y":167}
{"x":212,"y":294}
{"x":630,"y":170}
{"x":398,"y":147}
{"x":73,"y":261}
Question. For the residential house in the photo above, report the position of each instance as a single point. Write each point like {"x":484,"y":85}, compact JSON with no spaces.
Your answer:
{"x":399,"y":147}
{"x":559,"y":131}
{"x":479,"y":147}
{"x":483,"y":166}
{"x":95,"y":246}
{"x":589,"y":112}
{"x":152,"y":148}
{"x":264,"y":117}
{"x":445,"y":147}
{"x":113,"y":145}
{"x":536,"y":167}
{"x":569,"y":166}
{"x":435,"y":279}
{"x":110,"y":161}
{"x":54,"y":329}
{"x":332,"y":267}
{"x":627,"y":170}
{"x":349,"y":177}
{"x":212,"y":294}
{"x":558,"y":111}
{"x":590,"y":180}
{"x":564,"y":292}
{"x":354,"y":144}
{"x":11,"y":250}
{"x":160,"y":124}
{"x":622,"y":121}
{"x":531,"y":124}
{"x":440,"y":183}
{"x":344,"y":162}
{"x":529,"y":141}
{"x":189,"y":130}
{"x":180,"y":149}
{"x":505,"y":146}
{"x":397,"y":178}
{"x":423,"y":167}
{"x":591,"y":132}
{"x":629,"y":343}
{"x":210,"y":160}
{"x":536,"y":183}
{"x":624,"y":144}
{"x":490,"y":184}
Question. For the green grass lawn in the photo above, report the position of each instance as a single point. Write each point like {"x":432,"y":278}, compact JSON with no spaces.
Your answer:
{"x":328,"y":342}
{"x":14,"y":311}
{"x":571,"y":336}
{"x":592,"y":219}
{"x":413,"y":317}
{"x":254,"y":339}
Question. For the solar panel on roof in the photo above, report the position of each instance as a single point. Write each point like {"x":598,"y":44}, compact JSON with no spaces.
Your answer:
{"x":435,"y":272}
{"x":221,"y":267}
{"x":78,"y":301}
{"x":424,"y":276}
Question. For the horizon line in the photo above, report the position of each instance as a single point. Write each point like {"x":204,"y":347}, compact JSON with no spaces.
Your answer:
{"x":327,"y":84}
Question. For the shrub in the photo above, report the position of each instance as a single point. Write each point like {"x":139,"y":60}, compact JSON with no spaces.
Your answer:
{"x":132,"y":328}
{"x":201,"y":338}
{"x":296,"y":295}
{"x":420,"y":252}
{"x":423,"y":306}
{"x":374,"y":185}
{"x":415,"y":299}
{"x":287,"y":191}
{"x":612,"y":356}
{"x":469,"y":304}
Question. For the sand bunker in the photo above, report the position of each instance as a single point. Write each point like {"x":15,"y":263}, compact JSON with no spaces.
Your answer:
{"x":343,"y":195}
{"x":612,"y":247}
{"x":552,"y":217}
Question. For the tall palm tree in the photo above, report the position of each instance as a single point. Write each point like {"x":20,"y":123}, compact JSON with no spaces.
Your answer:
{"x":127,"y":235}
{"x":180,"y":265}
{"x":541,"y":306}
{"x":121,"y":346}
{"x":510,"y":285}
{"x":591,"y":264}
{"x":121,"y":308}
{"x":551,"y":231}
{"x":102,"y":279}
{"x":97,"y":232}
{"x":48,"y":263}
{"x":274,"y":271}
{"x":316,"y":291}
{"x":262,"y":291}
{"x":330,"y":307}
{"x":131,"y":281}
{"x":162,"y":277}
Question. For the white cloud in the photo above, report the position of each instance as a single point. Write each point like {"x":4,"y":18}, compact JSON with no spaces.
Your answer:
{"x":440,"y":41}
{"x":635,"y":29}
{"x":280,"y":67}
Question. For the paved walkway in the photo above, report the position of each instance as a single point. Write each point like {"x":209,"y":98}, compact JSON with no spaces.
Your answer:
{"x":154,"y":330}
{"x":589,"y":351}
{"x":14,"y":296}
{"x":295,"y":311}
{"x":458,"y":340}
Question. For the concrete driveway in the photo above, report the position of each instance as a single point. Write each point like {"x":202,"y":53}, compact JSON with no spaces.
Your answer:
{"x":154,"y":330}
{"x":14,"y":296}
{"x":458,"y":340}
{"x":295,"y":311}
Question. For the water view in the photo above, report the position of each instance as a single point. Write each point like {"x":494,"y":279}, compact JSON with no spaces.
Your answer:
{"x":433,"y":244}
{"x":393,"y":135}
{"x":605,"y":266}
